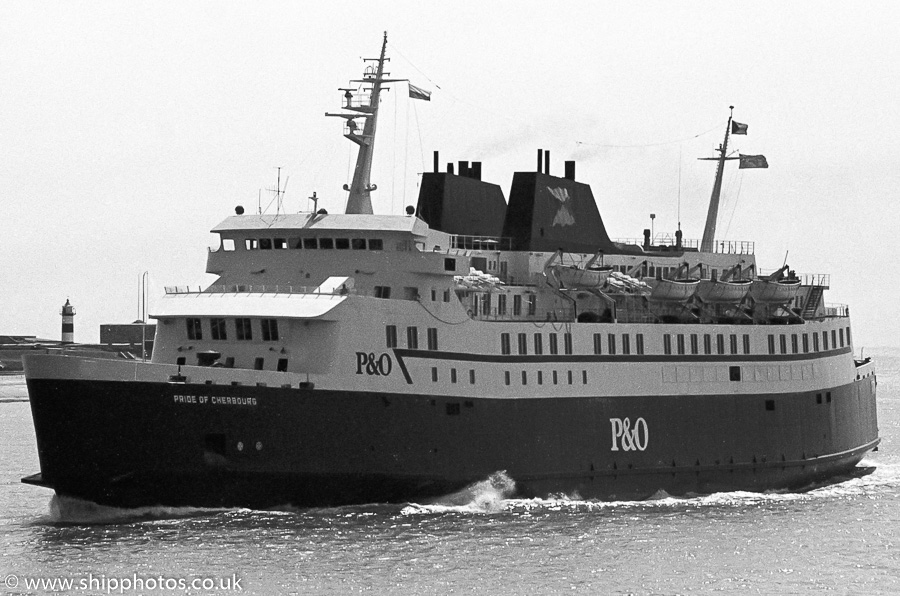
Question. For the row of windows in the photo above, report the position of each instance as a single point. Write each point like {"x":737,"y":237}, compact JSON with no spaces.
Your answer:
{"x":412,"y":337}
{"x":243,"y":329}
{"x":839,"y":338}
{"x":502,"y":300}
{"x":454,"y":378}
{"x":538,"y":343}
{"x":681,"y":347}
{"x":611,"y":347}
{"x":553,"y":377}
{"x":307,"y":243}
{"x":258,"y":363}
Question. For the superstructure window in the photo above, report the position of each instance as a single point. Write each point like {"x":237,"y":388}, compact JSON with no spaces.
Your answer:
{"x":281,"y":243}
{"x":679,"y":340}
{"x":538,"y":344}
{"x":598,"y":343}
{"x":504,"y":343}
{"x":311,"y":243}
{"x":383,"y":292}
{"x":501,"y":304}
{"x":639,"y":343}
{"x":432,"y":338}
{"x":611,"y":344}
{"x":695,"y":344}
{"x":626,"y":345}
{"x":794,"y":346}
{"x":342,"y":243}
{"x":265,"y":244}
{"x":554,"y":347}
{"x":815,"y":342}
{"x":532,"y":304}
{"x":517,"y":305}
{"x":825,"y":340}
{"x":805,"y":343}
{"x":228,"y":244}
{"x":412,"y":338}
{"x":358,"y":244}
{"x":390,"y":332}
{"x":720,"y":343}
{"x":269,"y":329}
{"x":251,"y":244}
{"x":523,"y":343}
{"x":667,"y":344}
{"x":449,"y":264}
{"x":243,"y":330}
{"x":746,"y":344}
{"x":376,"y":244}
{"x":194,"y":331}
{"x":771,"y":344}
{"x":259,"y":363}
{"x":707,"y":343}
{"x":732,"y":339}
{"x":567,"y":339}
{"x":217,"y":327}
{"x":326,"y":243}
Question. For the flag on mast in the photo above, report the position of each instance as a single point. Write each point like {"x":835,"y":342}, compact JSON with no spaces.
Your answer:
{"x":737,"y":128}
{"x":419,"y":93}
{"x":753,"y":161}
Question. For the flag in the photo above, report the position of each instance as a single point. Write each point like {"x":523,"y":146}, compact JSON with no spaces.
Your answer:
{"x":417,"y":93}
{"x":753,"y":161}
{"x":738,"y":129}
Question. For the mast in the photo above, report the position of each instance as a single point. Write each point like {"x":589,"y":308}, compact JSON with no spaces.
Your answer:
{"x":709,"y":231}
{"x":365,"y":106}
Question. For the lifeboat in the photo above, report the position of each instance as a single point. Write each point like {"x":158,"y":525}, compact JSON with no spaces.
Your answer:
{"x":711,"y":290}
{"x":673,"y":290}
{"x":770,"y":291}
{"x":572,"y":277}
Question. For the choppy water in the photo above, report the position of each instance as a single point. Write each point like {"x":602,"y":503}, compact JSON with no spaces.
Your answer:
{"x":842,"y":539}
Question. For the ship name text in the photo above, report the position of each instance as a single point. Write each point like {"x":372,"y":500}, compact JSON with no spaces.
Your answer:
{"x":217,"y":400}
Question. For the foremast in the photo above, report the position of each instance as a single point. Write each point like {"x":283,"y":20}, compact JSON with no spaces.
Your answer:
{"x":709,"y":231}
{"x":365,"y":106}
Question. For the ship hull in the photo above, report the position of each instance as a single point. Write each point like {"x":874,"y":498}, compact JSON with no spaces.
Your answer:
{"x":135,"y":443}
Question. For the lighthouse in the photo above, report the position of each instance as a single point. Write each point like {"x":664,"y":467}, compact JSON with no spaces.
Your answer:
{"x":68,"y":323}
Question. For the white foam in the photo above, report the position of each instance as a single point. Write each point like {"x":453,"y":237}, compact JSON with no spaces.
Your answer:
{"x":69,"y":510}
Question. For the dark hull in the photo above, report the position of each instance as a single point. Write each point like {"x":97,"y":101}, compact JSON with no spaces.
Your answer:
{"x":134,"y":444}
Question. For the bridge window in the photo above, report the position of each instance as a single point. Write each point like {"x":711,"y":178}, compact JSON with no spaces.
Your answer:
{"x":269,"y":329}
{"x":217,"y":326}
{"x":194,"y":330}
{"x":782,"y":343}
{"x":228,"y":244}
{"x":251,"y":244}
{"x":265,"y":244}
{"x":383,"y":292}
{"x":376,"y":244}
{"x":841,"y":333}
{"x":295,"y":242}
{"x":358,"y":244}
{"x":281,"y":243}
{"x":243,"y":329}
{"x":805,"y":343}
{"x":342,"y":243}
{"x":326,"y":243}
{"x":848,"y":336}
{"x":311,"y":243}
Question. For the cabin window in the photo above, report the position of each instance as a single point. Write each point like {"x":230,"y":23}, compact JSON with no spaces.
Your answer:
{"x":598,"y":343}
{"x":390,"y":333}
{"x":524,"y":377}
{"x":486,"y":305}
{"x":555,"y":378}
{"x":720,"y":343}
{"x":228,"y":244}
{"x":523,"y":343}
{"x":194,"y":331}
{"x":733,"y":343}
{"x":532,"y":304}
{"x":584,"y":377}
{"x":794,"y":345}
{"x":432,"y":338}
{"x":358,"y":244}
{"x":746,"y":344}
{"x":265,"y":244}
{"x":412,"y":338}
{"x":376,"y":244}
{"x":611,"y":344}
{"x":540,"y":378}
{"x":815,"y":342}
{"x":282,"y":364}
{"x":734,"y":373}
{"x":570,"y":377}
{"x":295,"y":242}
{"x":501,"y":304}
{"x":180,"y":360}
{"x":639,"y":343}
{"x":244,"y":332}
{"x":382,"y":292}
{"x":504,"y":343}
{"x":805,"y":343}
{"x":825,"y":340}
{"x":771,"y":344}
{"x":471,"y":376}
{"x":554,"y":347}
{"x":517,"y":305}
{"x":707,"y":343}
{"x":446,"y":295}
{"x":217,"y":327}
{"x":311,"y":243}
{"x":680,"y":342}
{"x":342,"y":243}
{"x":229,"y":362}
{"x":410,"y":293}
{"x":667,"y":344}
{"x":567,"y":340}
{"x":841,"y":332}
{"x":269,"y":329}
{"x":506,"y":377}
{"x":281,"y":243}
{"x":434,"y":374}
{"x":326,"y":243}
{"x":848,"y":336}
{"x":538,"y":344}
{"x":259,"y":363}
{"x":782,"y":343}
{"x":626,"y":344}
{"x":695,"y":344}
{"x":251,"y":244}
{"x":449,"y":264}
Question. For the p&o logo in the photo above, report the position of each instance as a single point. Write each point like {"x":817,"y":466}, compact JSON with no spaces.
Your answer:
{"x":370,"y":364}
{"x":628,"y":437}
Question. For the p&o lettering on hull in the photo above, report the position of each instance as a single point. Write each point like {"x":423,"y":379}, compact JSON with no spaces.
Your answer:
{"x":368,"y":363}
{"x":626,"y":437}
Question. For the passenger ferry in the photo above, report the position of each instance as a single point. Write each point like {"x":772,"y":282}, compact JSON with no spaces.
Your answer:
{"x":357,"y":358}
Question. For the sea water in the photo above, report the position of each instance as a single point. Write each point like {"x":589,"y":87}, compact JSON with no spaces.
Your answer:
{"x":841,"y":538}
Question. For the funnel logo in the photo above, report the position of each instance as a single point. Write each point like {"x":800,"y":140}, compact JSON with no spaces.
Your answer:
{"x":563,"y":216}
{"x":627,"y":437}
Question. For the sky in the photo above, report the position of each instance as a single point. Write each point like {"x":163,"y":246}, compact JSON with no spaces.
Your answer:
{"x":129,"y":130}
